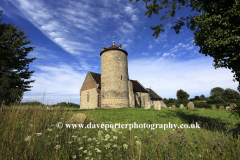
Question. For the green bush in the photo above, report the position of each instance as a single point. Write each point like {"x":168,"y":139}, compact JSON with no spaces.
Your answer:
{"x":64,"y":104}
{"x":33,"y":103}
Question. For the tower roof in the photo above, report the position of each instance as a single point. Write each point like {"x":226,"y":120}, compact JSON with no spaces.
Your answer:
{"x":113,"y":47}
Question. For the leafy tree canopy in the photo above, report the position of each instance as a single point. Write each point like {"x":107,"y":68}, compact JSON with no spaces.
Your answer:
{"x":202,"y":97}
{"x":13,"y":63}
{"x":182,"y":95}
{"x":231,"y":94}
{"x":197,"y":98}
{"x":216,"y":29}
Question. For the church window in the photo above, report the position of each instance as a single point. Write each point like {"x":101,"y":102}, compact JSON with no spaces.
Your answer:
{"x":143,"y":100}
{"x":121,"y":77}
{"x":88,"y":97}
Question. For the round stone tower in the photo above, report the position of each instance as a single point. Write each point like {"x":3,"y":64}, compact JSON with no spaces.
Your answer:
{"x":114,"y":77}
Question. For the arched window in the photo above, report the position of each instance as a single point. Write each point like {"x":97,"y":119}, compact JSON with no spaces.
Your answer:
{"x":121,"y":77}
{"x":87,"y":96}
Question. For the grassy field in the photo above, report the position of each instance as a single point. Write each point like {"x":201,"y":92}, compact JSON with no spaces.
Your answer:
{"x":31,"y":133}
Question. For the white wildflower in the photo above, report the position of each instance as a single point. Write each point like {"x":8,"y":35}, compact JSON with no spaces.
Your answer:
{"x":57,"y":146}
{"x":114,"y":129}
{"x":27,"y":138}
{"x":99,"y":151}
{"x":107,"y":136}
{"x":74,"y":137}
{"x":108,"y":145}
{"x":38,"y":134}
{"x":74,"y":156}
{"x":80,"y":148}
{"x":138,"y":142}
{"x":89,"y":153}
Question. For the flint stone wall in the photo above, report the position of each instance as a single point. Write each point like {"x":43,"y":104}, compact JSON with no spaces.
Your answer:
{"x":93,"y":99}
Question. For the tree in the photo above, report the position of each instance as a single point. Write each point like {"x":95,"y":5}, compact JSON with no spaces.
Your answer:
{"x":197,"y":98}
{"x":217,"y":90}
{"x":202,"y":97}
{"x":215,"y":95}
{"x":171,"y":100}
{"x":192,"y":99}
{"x":182,"y":95}
{"x":13,"y":64}
{"x":216,"y":29}
{"x":165,"y":100}
{"x":231,"y":94}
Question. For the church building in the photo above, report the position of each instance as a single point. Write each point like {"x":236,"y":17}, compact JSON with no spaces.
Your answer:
{"x":113,"y":88}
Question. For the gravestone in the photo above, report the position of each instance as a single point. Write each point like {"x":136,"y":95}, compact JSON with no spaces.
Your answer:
{"x":162,"y":104}
{"x":181,"y":106}
{"x":202,"y":108}
{"x":232,"y":105}
{"x":173,"y":106}
{"x":78,"y":118}
{"x":170,"y":107}
{"x":214,"y":106}
{"x":157,"y":106}
{"x":221,"y":107}
{"x":147,"y":106}
{"x":228,"y":108}
{"x":190,"y":105}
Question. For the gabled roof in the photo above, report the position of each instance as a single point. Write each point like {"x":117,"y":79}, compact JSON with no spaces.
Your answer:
{"x":97,"y":78}
{"x":153,"y":95}
{"x":137,"y":87}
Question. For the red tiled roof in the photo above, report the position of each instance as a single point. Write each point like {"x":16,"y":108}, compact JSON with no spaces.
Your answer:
{"x":113,"y":46}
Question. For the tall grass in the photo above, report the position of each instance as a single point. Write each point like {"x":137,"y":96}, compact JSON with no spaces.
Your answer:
{"x":31,"y":133}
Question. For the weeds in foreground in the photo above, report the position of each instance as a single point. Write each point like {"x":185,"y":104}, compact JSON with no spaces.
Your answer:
{"x":32,"y":134}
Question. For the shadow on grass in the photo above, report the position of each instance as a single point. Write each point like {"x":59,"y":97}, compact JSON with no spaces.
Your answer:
{"x":212,"y":124}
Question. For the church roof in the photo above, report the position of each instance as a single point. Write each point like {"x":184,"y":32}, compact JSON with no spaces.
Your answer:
{"x":153,"y":95}
{"x":113,"y":46}
{"x":136,"y":86}
{"x":97,"y":78}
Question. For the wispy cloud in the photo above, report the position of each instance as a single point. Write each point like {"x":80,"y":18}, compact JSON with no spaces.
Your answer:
{"x":134,"y":18}
{"x":189,"y":48}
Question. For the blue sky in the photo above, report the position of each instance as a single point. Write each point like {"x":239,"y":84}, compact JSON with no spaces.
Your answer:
{"x":69,"y":36}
